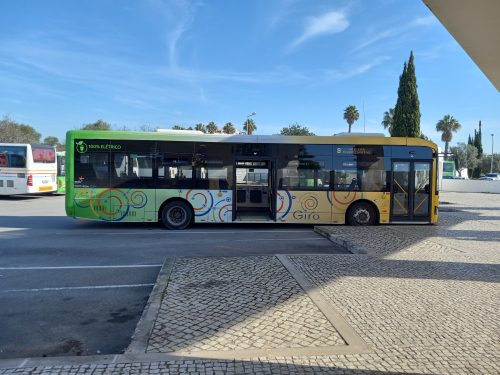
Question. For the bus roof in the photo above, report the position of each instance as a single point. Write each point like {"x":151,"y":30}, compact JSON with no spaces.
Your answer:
{"x":25,"y":144}
{"x":242,"y":138}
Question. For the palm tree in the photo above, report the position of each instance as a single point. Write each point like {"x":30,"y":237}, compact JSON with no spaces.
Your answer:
{"x":229,"y":128}
{"x":351,"y":115}
{"x":200,"y":127}
{"x":388,"y":119}
{"x":448,"y":124}
{"x":249,"y":126}
{"x":212,"y":127}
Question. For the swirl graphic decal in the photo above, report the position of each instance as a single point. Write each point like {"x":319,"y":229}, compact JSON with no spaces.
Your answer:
{"x":82,"y":198}
{"x":284,"y":201}
{"x":200,"y":202}
{"x":309,"y":202}
{"x":138,"y":199}
{"x":110,"y":204}
{"x":225,"y":213}
{"x":343,"y":197}
{"x":227,"y":208}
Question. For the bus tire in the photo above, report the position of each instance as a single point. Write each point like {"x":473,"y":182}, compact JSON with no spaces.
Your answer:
{"x":176,"y":215}
{"x":361,"y":213}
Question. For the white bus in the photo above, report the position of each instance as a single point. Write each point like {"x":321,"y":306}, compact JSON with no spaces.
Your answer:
{"x":27,"y":169}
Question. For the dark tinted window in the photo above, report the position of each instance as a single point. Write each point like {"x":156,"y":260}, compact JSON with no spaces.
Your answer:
{"x":410,"y":152}
{"x":252,"y":149}
{"x":61,"y":165}
{"x":131,"y":170}
{"x":92,"y":169}
{"x":361,"y":173}
{"x":213,"y":166}
{"x":304,"y":167}
{"x":175,"y":148}
{"x":175,"y":171}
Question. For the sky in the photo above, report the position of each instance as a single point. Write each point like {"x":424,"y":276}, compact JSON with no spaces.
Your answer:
{"x":163,"y":63}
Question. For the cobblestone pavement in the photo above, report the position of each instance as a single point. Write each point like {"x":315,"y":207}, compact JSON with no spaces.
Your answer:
{"x":425,"y":299}
{"x":207,"y":310}
{"x":468,"y":231}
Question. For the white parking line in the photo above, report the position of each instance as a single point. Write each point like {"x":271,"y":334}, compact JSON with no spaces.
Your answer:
{"x":279,"y":239}
{"x":77,"y":288}
{"x":82,"y":267}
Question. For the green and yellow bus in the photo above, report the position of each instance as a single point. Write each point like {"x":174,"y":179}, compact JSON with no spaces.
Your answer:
{"x":181,"y":178}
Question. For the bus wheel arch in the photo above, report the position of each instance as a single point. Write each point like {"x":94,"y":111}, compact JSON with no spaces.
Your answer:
{"x":176,"y":213}
{"x":362,"y":213}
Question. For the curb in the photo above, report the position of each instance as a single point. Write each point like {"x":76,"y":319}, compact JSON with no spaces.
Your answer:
{"x":346,"y":244}
{"x":139,"y":341}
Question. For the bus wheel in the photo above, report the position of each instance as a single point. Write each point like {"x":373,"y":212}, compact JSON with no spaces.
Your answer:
{"x":176,"y":215}
{"x":361,"y":214}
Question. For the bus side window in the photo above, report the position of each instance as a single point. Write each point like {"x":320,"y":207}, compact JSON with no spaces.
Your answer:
{"x":91,"y":170}
{"x":174,"y":173}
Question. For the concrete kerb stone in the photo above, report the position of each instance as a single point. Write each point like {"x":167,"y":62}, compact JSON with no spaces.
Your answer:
{"x":355,"y":343}
{"x":140,"y":338}
{"x":346,"y":244}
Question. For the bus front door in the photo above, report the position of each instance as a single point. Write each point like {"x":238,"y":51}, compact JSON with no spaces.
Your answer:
{"x":411,"y":191}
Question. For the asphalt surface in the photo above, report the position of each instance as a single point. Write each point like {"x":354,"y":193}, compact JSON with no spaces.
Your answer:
{"x":72,"y":287}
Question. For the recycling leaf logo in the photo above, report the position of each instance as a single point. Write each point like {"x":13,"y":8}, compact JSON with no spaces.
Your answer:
{"x":81,"y":147}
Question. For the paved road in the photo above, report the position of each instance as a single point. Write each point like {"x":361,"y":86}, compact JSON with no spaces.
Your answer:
{"x":70,"y":287}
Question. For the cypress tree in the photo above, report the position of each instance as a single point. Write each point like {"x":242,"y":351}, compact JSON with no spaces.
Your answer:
{"x":478,"y":142}
{"x":407,"y":109}
{"x":398,"y":127}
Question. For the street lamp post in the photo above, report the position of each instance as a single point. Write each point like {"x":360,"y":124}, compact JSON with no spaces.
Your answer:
{"x":491,"y":166}
{"x":248,"y":120}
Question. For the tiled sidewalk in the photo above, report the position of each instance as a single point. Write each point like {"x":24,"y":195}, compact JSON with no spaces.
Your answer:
{"x":230,"y":304}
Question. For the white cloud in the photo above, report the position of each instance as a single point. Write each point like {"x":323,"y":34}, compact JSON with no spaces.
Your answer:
{"x":425,"y":21}
{"x":338,"y":75}
{"x":328,"y":23}
{"x":398,"y":31}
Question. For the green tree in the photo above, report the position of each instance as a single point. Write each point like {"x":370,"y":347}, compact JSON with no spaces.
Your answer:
{"x":351,"y":115}
{"x":485,"y":163}
{"x":406,"y":120}
{"x":249,"y":126}
{"x":98,"y":125}
{"x":51,"y":140}
{"x":200,"y":127}
{"x":478,"y":141}
{"x":388,"y":120}
{"x":212,"y":128}
{"x":147,"y":128}
{"x":178,"y":127}
{"x":447,"y":125}
{"x":296,"y":129}
{"x":229,"y":128}
{"x":465,"y":156}
{"x":14,"y":132}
